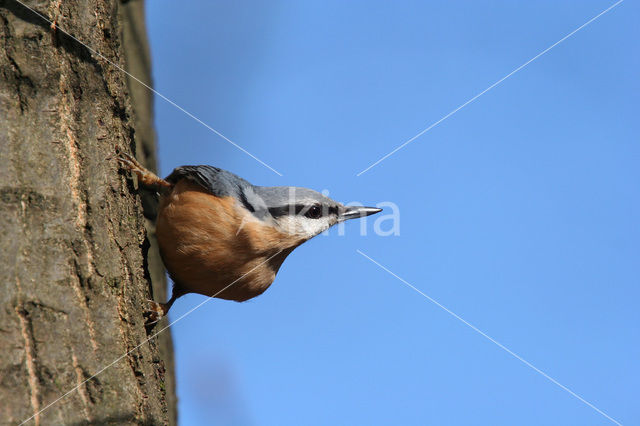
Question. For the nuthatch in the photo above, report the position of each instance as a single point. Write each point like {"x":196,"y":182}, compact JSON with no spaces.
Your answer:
{"x":223,"y":237}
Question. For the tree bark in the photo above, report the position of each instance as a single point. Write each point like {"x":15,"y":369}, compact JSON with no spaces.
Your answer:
{"x":76,"y":261}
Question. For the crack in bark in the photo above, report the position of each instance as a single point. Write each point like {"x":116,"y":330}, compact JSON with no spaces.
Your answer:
{"x":82,"y":390}
{"x":75,"y":283}
{"x":22,"y":81}
{"x":26,"y":328}
{"x":66,"y":118}
{"x":30,"y":359}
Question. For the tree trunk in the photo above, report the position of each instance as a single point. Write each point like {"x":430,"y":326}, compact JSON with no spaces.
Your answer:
{"x":76,"y":259}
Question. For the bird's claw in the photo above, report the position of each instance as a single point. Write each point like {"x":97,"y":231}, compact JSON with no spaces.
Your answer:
{"x":130,"y":163}
{"x":146,"y":177}
{"x":154,"y":313}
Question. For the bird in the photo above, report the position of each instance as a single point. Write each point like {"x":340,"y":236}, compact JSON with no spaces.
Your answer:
{"x":221,"y":236}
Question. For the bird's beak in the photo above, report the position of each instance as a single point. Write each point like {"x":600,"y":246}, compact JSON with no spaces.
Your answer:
{"x":352,"y":212}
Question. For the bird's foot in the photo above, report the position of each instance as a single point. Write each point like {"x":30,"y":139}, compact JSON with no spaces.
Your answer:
{"x":155,"y":312}
{"x":145,"y":176}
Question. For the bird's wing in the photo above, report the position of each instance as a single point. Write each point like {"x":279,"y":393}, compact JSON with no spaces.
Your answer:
{"x":218,"y":182}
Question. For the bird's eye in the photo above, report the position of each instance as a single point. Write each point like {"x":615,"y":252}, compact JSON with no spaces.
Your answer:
{"x":314,"y":212}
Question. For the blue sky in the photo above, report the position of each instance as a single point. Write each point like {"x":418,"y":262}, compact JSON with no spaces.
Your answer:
{"x":519,"y":213}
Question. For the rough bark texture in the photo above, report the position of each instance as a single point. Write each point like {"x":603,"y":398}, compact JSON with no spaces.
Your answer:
{"x":138,"y":62}
{"x":75,"y":260}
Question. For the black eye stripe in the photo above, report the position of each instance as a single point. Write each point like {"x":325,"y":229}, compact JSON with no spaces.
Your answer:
{"x":287,"y":210}
{"x":312,"y":211}
{"x":279,"y":211}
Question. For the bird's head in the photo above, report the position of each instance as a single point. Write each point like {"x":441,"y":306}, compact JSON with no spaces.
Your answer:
{"x":301,"y":212}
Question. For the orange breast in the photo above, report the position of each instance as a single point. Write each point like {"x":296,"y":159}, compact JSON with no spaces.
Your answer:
{"x":213,"y":246}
